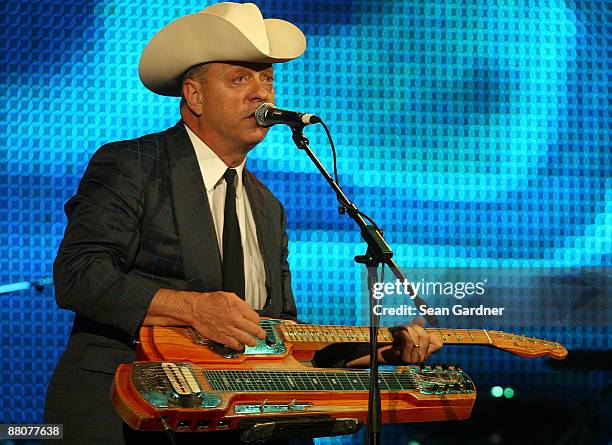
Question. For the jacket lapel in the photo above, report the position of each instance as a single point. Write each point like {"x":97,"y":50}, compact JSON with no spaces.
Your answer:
{"x":201,"y":258}
{"x":266,"y":243}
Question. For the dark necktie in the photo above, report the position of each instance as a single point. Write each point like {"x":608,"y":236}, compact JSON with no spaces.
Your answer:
{"x":233,"y":263}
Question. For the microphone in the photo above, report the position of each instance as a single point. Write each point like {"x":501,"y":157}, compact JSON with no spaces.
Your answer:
{"x":267,"y":115}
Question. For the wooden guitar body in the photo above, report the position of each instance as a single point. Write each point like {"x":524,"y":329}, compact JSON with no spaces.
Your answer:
{"x":287,"y":338}
{"x":202,"y":397}
{"x":186,"y":382}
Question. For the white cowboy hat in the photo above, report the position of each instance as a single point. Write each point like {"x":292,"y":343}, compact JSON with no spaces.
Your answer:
{"x":222,"y":32}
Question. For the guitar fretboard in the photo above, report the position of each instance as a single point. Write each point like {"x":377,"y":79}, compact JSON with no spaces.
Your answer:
{"x":317,"y":335}
{"x":269,"y":381}
{"x":346,"y":334}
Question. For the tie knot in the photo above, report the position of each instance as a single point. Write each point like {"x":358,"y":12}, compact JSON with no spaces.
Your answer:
{"x":230,"y":175}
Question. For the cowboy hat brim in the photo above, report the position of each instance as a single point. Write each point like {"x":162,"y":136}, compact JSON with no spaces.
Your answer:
{"x":202,"y":37}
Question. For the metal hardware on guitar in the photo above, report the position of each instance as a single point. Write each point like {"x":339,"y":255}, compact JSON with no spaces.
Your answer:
{"x":303,"y":428}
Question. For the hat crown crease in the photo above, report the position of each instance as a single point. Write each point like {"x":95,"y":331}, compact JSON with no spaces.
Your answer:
{"x":247,"y":19}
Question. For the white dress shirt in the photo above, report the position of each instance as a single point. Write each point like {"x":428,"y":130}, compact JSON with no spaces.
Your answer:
{"x":213,"y":169}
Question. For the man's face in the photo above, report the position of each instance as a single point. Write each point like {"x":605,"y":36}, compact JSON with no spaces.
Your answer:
{"x":230,"y":94}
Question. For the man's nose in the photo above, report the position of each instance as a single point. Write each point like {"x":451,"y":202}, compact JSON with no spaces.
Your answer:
{"x":260,"y":90}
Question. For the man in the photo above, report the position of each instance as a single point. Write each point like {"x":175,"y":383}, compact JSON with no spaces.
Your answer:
{"x":171,"y":229}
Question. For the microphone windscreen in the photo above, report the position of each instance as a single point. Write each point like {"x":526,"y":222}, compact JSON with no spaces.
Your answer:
{"x":261,"y":114}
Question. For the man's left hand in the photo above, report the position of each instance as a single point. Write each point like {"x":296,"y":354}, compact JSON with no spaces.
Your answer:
{"x":411,"y":344}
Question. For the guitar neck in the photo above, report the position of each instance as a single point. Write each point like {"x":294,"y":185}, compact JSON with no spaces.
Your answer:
{"x":303,"y":333}
{"x":313,"y":337}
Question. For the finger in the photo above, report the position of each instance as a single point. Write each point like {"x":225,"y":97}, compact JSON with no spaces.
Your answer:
{"x":422,"y":342}
{"x":229,"y":341}
{"x":416,"y":346}
{"x":396,"y":332}
{"x":228,"y":333}
{"x":245,"y":312}
{"x":432,"y":348}
{"x":238,"y":322}
{"x":219,"y":335}
{"x":409,"y":341}
{"x":244,"y":338}
{"x":435,"y":342}
{"x":399,"y":345}
{"x":249,"y":314}
{"x":241,"y":307}
{"x":251,"y":328}
{"x":417,"y":350}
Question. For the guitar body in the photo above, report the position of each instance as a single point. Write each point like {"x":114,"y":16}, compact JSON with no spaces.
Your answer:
{"x":186,"y":344}
{"x":186,"y":382}
{"x":209,"y":397}
{"x":286,"y":338}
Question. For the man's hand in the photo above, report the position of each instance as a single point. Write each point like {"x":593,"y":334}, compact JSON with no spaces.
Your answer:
{"x":219,"y":316}
{"x":411,"y":344}
{"x":227,"y":319}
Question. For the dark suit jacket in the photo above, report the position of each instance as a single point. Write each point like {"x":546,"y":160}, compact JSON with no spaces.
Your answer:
{"x":141,"y":221}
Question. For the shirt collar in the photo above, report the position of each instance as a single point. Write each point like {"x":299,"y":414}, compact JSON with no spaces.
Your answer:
{"x":212,"y":166}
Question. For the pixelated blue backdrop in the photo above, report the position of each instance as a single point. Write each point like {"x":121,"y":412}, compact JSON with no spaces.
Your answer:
{"x":475,"y":132}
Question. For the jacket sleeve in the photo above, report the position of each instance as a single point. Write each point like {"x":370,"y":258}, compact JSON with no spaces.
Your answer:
{"x":93,"y":271}
{"x":289,"y":309}
{"x":338,"y":355}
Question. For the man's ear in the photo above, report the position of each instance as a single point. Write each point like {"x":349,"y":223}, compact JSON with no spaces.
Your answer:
{"x":192,"y":93}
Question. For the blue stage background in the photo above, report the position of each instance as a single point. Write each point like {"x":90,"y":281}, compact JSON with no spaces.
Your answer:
{"x":476,"y":133}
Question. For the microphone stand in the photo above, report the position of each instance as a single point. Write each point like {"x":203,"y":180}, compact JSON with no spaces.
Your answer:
{"x":378,"y":252}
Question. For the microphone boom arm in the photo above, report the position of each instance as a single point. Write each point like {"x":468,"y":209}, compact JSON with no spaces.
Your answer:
{"x":378,"y":250}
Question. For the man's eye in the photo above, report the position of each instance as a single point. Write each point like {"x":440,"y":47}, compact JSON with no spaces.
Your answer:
{"x":240,"y":79}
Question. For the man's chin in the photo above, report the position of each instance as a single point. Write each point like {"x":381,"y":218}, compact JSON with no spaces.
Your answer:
{"x":257,"y":135}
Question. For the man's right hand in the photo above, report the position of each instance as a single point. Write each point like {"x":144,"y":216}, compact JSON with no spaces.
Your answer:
{"x":219,"y":316}
{"x":227,"y":319}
